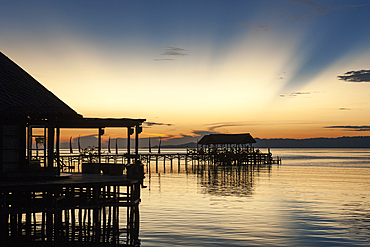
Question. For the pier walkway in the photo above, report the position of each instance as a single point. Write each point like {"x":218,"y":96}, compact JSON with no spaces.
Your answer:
{"x":237,"y":157}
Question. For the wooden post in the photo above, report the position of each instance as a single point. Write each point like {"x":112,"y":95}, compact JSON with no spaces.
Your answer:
{"x":45,"y":146}
{"x":186,"y":162}
{"x":164,"y":163}
{"x":129,"y":133}
{"x":138,"y":130}
{"x":50,"y":145}
{"x":101,"y":132}
{"x":156,"y":163}
{"x":57,"y":150}
{"x":29,"y":143}
{"x":178,"y":161}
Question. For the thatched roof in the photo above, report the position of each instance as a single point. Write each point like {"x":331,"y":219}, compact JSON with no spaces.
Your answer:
{"x":227,"y":139}
{"x":21,"y":95}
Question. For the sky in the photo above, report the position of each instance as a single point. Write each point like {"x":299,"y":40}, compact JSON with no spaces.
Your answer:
{"x":274,"y":69}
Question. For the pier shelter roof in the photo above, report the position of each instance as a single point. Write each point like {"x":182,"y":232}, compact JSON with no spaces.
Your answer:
{"x":22,"y":95}
{"x":213,"y":139}
{"x":100,"y":123}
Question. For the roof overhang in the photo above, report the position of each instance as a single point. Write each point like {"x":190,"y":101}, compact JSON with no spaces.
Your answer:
{"x":99,"y":123}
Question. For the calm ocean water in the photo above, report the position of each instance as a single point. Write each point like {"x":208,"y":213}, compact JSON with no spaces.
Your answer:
{"x":317,"y":197}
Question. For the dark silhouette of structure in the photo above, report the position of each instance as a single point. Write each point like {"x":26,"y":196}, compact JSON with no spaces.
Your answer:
{"x":226,"y":140}
{"x":37,"y":202}
{"x":232,"y":149}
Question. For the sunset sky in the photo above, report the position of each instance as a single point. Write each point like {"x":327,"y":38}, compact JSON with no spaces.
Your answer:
{"x":275,"y":69}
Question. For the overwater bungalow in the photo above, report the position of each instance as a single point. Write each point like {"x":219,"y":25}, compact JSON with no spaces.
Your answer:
{"x":38,"y":203}
{"x":226,"y":140}
{"x":233,"y":149}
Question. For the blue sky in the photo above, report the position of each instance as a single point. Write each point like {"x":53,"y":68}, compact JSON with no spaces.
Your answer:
{"x":266,"y":67}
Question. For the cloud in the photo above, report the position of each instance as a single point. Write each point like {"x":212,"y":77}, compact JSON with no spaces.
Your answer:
{"x":263,"y":26}
{"x":294,"y":94}
{"x":350,"y":127}
{"x":302,"y":17}
{"x":315,"y":7}
{"x":174,"y":51}
{"x":356,"y":76}
{"x":344,"y":109}
{"x":149,"y":124}
{"x":164,"y":59}
{"x":215,"y":126}
{"x":258,"y":26}
{"x":171,"y":51}
{"x":199,"y":133}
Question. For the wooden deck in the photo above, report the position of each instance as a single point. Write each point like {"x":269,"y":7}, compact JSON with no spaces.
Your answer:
{"x":70,"y":210}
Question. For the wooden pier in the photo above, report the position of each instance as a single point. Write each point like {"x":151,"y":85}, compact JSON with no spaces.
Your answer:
{"x":243,"y":156}
{"x":86,"y":209}
{"x":221,"y":157}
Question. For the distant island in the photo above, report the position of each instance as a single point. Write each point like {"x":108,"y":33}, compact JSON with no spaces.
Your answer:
{"x":339,"y":142}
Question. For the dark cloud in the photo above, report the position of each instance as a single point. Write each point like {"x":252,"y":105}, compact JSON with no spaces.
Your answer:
{"x":201,"y":133}
{"x":344,"y":109}
{"x":350,"y":127}
{"x":356,"y":76}
{"x":171,"y":51}
{"x":174,"y":51}
{"x":149,"y":124}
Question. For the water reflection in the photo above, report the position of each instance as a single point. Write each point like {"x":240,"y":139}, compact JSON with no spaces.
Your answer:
{"x":356,"y":217}
{"x":230,"y":180}
{"x":319,"y":203}
{"x":215,"y":179}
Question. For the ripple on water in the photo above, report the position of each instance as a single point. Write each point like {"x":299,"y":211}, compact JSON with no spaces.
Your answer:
{"x":288,"y":205}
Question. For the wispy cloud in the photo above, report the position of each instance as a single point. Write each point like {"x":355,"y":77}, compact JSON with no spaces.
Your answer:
{"x":315,"y":7}
{"x":256,"y":26}
{"x":356,"y":76}
{"x":318,"y":8}
{"x":170,"y":52}
{"x":163,"y":59}
{"x":149,"y":124}
{"x":350,"y":127}
{"x":215,"y":126}
{"x":296,"y":94}
{"x":174,"y":51}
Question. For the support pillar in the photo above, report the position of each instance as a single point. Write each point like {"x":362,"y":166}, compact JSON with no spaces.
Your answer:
{"x":130,"y":131}
{"x":101,"y":132}
{"x":138,"y":130}
{"x":57,"y":149}
{"x":50,"y":144}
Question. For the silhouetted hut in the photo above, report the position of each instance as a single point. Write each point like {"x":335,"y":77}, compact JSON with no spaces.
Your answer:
{"x":25,"y":105}
{"x":226,"y":140}
{"x":35,"y":209}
